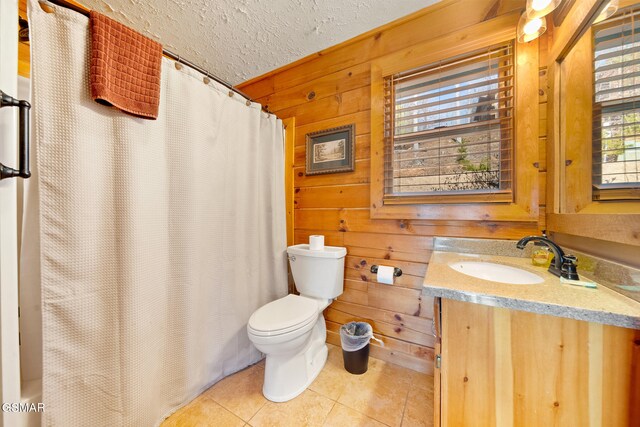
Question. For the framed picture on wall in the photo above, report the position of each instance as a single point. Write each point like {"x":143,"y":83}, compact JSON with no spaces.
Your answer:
{"x":331,"y":150}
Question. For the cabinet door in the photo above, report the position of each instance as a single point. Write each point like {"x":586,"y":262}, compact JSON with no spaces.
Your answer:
{"x":467,"y":371}
{"x":504,"y":367}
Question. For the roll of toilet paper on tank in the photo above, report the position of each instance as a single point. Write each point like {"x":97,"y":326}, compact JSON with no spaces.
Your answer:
{"x":385,"y":275}
{"x":316,"y":243}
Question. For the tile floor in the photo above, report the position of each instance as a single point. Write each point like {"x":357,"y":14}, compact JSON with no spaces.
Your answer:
{"x":386,"y":394}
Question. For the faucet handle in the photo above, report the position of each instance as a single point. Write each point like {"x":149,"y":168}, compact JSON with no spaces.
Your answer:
{"x":569,"y":269}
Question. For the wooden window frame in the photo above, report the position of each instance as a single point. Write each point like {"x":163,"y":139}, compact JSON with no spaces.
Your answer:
{"x":522,"y":206}
{"x":571,"y":209}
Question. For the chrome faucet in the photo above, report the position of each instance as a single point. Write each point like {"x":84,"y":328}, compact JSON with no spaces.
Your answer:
{"x":562,"y":265}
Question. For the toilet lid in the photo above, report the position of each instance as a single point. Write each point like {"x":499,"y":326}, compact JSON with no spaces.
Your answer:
{"x":283,"y":315}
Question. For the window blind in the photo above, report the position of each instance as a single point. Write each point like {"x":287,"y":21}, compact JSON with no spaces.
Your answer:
{"x":616,"y":112}
{"x":449,"y":126}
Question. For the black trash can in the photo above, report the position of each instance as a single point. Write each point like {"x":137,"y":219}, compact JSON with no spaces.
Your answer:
{"x":355,"y":337}
{"x":356,"y":362}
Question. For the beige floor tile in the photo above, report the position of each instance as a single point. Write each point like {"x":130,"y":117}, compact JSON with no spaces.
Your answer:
{"x":240,"y":393}
{"x":411,"y":378}
{"x":419,"y":409}
{"x":331,"y":381}
{"x":398,"y":373}
{"x":376,"y":395}
{"x":421,"y":381}
{"x":335,"y":357}
{"x":203,"y":412}
{"x":308,"y":409}
{"x":342,"y":416}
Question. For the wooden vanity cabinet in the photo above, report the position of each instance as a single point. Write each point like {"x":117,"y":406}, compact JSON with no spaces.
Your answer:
{"x":501,"y":367}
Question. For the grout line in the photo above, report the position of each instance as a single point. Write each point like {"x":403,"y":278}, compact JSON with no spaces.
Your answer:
{"x":255,"y":413}
{"x":229,"y":409}
{"x":404,"y":408}
{"x":324,"y":421}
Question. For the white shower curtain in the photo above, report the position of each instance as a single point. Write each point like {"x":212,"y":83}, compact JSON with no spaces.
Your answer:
{"x":157,"y":239}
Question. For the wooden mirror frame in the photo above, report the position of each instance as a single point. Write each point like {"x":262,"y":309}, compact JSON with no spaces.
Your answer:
{"x":570,"y":208}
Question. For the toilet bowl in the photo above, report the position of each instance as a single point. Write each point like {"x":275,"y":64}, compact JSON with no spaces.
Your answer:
{"x":294,"y":345}
{"x":291,"y":330}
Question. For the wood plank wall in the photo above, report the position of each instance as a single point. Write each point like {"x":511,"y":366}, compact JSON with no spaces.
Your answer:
{"x":331,"y":88}
{"x":24,"y":61}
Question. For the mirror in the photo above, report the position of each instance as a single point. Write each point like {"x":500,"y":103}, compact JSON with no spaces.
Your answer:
{"x":600,"y":110}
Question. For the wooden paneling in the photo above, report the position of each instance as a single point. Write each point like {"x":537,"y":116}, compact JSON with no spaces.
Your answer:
{"x":341,"y":104}
{"x":326,"y":86}
{"x":332,"y":196}
{"x":512,"y":368}
{"x":360,"y":120}
{"x":359,"y":176}
{"x":332,"y":88}
{"x":24,"y":61}
{"x":359,"y":220}
{"x":626,"y":228}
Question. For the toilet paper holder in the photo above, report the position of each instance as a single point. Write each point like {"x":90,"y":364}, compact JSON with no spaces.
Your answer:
{"x":396,"y":271}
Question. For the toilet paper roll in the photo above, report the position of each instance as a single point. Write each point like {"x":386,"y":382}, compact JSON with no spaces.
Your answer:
{"x":316,"y":242}
{"x":385,"y":275}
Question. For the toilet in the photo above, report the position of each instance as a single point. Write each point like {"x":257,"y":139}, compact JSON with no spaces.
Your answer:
{"x":291,"y":330}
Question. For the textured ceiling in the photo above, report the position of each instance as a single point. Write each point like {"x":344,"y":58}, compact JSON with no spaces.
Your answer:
{"x":240,"y":39}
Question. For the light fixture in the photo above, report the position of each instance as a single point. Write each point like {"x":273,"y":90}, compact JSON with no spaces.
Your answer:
{"x":530,"y":28}
{"x":608,"y":11}
{"x":540,"y":8}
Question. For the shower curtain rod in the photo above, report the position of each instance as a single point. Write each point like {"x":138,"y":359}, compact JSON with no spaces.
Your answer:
{"x":166,"y":52}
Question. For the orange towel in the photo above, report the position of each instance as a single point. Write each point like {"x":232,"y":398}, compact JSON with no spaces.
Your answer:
{"x":125,"y":68}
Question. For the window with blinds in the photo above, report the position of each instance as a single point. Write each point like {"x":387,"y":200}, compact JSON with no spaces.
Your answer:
{"x":449,"y":127}
{"x":616,"y":108}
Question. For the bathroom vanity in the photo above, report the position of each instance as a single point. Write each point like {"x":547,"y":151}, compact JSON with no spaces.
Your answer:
{"x":531,"y":354}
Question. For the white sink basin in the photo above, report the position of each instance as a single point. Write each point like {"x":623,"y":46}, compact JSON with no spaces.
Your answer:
{"x":496,"y":272}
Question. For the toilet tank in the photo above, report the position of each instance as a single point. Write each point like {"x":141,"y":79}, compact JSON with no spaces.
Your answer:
{"x":318,"y":274}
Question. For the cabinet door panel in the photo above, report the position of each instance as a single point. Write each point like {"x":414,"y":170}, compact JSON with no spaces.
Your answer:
{"x":467,"y":365}
{"x":503,"y":367}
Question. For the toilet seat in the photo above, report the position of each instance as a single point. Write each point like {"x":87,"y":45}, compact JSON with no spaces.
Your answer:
{"x":284,"y":315}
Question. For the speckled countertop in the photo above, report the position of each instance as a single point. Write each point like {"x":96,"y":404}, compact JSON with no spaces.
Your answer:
{"x":601,"y":305}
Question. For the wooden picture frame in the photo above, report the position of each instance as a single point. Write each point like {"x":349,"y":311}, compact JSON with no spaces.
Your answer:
{"x":331,"y":150}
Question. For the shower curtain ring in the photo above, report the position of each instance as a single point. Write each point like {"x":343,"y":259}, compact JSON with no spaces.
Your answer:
{"x":178,"y":63}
